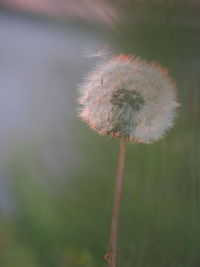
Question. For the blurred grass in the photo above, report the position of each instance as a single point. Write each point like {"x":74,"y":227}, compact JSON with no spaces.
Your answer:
{"x":65,"y":222}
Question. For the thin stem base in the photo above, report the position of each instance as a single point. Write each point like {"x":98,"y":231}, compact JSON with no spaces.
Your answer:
{"x":111,"y":255}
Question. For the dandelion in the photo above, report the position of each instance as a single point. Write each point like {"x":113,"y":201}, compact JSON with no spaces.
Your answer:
{"x":128,"y":98}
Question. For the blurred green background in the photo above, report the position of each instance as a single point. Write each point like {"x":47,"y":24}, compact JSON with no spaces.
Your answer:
{"x":57,"y":176}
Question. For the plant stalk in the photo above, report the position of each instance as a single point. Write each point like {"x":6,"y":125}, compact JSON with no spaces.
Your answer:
{"x":111,"y":255}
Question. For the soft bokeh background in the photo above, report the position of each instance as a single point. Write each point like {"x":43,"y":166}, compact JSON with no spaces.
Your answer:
{"x":57,"y":176}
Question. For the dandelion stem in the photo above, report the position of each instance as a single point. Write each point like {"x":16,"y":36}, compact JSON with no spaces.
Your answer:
{"x":111,"y":256}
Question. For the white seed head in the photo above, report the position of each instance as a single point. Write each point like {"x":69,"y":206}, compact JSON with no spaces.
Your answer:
{"x":126,"y":96}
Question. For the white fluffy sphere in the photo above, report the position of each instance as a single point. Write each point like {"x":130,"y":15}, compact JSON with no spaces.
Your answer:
{"x":126,"y":96}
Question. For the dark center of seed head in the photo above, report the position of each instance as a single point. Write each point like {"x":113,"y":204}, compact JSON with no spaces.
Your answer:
{"x":123,"y":97}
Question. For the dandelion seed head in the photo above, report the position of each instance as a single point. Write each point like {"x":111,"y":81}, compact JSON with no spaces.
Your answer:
{"x":126,"y":96}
